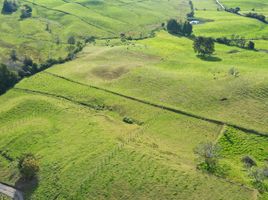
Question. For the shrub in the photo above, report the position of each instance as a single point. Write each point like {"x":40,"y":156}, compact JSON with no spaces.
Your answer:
{"x":90,"y":39}
{"x":209,"y":155}
{"x":128,"y":120}
{"x":13,"y":55}
{"x":28,"y":166}
{"x":251,"y":45}
{"x":26,"y":12}
{"x":234,"y":72}
{"x":71,"y":40}
{"x":249,"y":161}
{"x":257,"y":176}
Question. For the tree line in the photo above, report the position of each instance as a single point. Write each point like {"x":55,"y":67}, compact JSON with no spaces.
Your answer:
{"x":260,"y":17}
{"x":28,"y":67}
{"x":254,"y":15}
{"x":179,"y":28}
{"x":236,"y":40}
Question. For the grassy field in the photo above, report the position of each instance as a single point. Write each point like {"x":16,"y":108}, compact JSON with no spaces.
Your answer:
{"x":88,"y":150}
{"x":80,"y":19}
{"x":103,"y":151}
{"x":259,"y":6}
{"x":223,"y":24}
{"x":71,"y":116}
{"x":166,"y":70}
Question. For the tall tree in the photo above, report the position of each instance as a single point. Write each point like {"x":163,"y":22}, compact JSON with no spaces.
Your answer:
{"x":173,"y":26}
{"x":7,"y":78}
{"x":251,"y":45}
{"x":13,"y":55}
{"x":9,"y":6}
{"x":71,"y":40}
{"x":187,"y":28}
{"x":204,"y":46}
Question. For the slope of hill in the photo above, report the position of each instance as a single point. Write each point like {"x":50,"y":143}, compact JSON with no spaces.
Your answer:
{"x":45,"y":34}
{"x":122,"y":120}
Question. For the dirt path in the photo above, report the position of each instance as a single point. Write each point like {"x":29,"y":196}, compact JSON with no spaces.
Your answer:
{"x":11,"y":192}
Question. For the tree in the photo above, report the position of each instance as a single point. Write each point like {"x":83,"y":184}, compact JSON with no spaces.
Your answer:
{"x":173,"y":27}
{"x":28,"y":61}
{"x":28,"y":166}
{"x":26,"y":12}
{"x":251,"y":45}
{"x":209,"y":155}
{"x":9,"y":6}
{"x":204,"y":46}
{"x":7,"y":78}
{"x":187,"y":28}
{"x":249,"y":161}
{"x":71,"y":40}
{"x":13,"y":55}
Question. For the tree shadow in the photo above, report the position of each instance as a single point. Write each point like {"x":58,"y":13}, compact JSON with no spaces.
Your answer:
{"x":27,"y":186}
{"x":209,"y":58}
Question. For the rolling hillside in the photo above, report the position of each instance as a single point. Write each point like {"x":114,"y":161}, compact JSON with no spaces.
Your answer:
{"x":123,"y":119}
{"x":45,"y":34}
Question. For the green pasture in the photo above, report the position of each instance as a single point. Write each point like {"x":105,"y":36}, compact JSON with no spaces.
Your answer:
{"x":71,"y":116}
{"x":80,"y":19}
{"x":165,"y":70}
{"x":79,"y":146}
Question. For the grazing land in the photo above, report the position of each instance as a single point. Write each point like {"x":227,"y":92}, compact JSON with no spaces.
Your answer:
{"x":123,"y":118}
{"x":45,"y":34}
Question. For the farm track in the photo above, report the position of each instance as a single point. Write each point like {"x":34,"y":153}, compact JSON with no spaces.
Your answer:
{"x":67,"y":13}
{"x":163,"y":107}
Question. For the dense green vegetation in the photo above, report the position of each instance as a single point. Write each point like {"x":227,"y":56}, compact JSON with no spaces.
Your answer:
{"x":121,"y":118}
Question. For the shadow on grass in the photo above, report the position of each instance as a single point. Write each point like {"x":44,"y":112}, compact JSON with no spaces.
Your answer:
{"x":27,"y":186}
{"x":209,"y":58}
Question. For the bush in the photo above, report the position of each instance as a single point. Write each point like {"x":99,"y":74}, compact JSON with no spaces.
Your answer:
{"x":71,"y":40}
{"x":251,"y":45}
{"x":233,"y":72}
{"x":128,"y":120}
{"x":209,"y":155}
{"x":28,"y":166}
{"x":258,"y":177}
{"x":26,"y":12}
{"x":233,"y":10}
{"x":13,"y":55}
{"x":249,"y":161}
